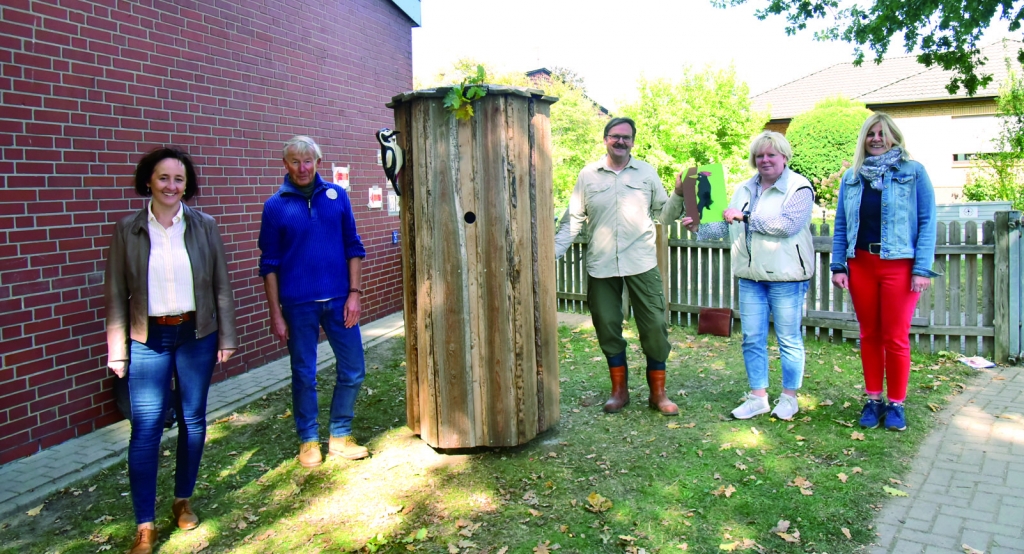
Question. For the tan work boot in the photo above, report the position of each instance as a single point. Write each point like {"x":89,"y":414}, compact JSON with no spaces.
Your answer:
{"x":620,"y":390}
{"x":659,"y":400}
{"x":309,"y":454}
{"x":145,"y":540}
{"x":183,"y":515}
{"x":347,"y":448}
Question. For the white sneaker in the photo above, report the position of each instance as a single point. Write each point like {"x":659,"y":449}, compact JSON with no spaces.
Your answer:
{"x":785,"y":407}
{"x":752,"y":405}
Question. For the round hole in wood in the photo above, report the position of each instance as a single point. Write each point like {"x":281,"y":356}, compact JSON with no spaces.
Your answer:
{"x":470,"y":218}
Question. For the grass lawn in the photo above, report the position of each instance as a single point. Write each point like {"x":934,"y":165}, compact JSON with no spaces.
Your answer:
{"x":631,"y":482}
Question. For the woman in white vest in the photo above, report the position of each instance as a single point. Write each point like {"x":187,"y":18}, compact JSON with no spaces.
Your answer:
{"x":773,"y":256}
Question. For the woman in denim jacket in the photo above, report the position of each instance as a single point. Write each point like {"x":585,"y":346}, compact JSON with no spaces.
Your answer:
{"x":882,"y":251}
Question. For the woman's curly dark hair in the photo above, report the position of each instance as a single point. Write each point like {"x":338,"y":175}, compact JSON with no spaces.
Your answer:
{"x":144,"y":171}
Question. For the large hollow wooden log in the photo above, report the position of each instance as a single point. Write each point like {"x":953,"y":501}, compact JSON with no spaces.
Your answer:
{"x":478,"y":268}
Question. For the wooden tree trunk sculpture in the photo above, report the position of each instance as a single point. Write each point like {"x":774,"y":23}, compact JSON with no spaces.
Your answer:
{"x":478,"y":268}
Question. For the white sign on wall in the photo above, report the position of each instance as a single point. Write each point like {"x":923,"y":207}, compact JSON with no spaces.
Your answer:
{"x":393,"y":206}
{"x":376,"y":197}
{"x":341,"y":176}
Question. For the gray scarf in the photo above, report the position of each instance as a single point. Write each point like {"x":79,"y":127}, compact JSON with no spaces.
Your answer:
{"x":875,"y":166}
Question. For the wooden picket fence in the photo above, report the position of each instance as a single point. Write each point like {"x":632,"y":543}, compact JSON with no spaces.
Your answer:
{"x":965,"y":310}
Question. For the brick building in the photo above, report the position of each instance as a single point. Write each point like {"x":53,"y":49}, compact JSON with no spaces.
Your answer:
{"x":89,"y":85}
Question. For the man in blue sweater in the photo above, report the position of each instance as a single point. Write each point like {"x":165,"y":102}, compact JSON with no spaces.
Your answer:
{"x":311,"y":264}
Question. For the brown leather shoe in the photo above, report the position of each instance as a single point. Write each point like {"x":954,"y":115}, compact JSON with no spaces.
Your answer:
{"x":145,"y":540}
{"x":620,"y":390}
{"x":347,"y":448}
{"x":659,"y":400}
{"x":309,"y":454}
{"x":183,"y":515}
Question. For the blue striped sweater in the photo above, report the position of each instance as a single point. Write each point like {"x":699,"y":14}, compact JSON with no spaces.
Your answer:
{"x":308,"y":243}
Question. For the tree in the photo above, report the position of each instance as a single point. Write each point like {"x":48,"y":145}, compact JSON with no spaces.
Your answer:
{"x":576,"y":128}
{"x":703,"y":118}
{"x":946,"y":32}
{"x":822,"y":139}
{"x":999,"y":175}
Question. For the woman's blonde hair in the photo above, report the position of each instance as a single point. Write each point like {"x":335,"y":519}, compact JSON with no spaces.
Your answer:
{"x":777,"y":141}
{"x":889,"y":130}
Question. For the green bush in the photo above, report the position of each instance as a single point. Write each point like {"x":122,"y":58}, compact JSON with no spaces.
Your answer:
{"x":822,"y":139}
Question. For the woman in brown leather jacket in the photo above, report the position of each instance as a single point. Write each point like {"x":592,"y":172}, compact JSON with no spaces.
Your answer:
{"x":170,"y":312}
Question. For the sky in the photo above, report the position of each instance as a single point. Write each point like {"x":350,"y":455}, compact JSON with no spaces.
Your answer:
{"x":611,"y":44}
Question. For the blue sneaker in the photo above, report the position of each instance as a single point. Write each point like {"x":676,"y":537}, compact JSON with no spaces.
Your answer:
{"x":894,"y":418}
{"x":871,"y":415}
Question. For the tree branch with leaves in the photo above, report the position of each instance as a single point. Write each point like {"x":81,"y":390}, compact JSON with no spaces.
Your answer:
{"x":946,"y":32}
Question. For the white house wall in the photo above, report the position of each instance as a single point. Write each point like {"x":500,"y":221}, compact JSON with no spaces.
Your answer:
{"x":934,"y":140}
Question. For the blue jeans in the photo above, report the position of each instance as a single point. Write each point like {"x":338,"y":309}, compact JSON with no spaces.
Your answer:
{"x":304,"y":322}
{"x":785,"y":302}
{"x":168,"y":350}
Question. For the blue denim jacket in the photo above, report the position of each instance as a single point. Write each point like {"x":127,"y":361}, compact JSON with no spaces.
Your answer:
{"x":908,"y":218}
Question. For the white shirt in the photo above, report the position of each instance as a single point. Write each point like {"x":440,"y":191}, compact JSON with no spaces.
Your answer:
{"x":170,"y":271}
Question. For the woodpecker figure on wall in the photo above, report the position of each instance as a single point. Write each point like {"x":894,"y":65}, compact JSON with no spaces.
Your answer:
{"x":391,"y":156}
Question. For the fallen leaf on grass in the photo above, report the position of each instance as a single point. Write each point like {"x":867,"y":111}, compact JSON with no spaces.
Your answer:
{"x":857,"y":470}
{"x":857,"y":436}
{"x":893,"y":492}
{"x":285,"y":415}
{"x":843,"y":423}
{"x":728,"y":547}
{"x":35,"y":511}
{"x":969,"y":550}
{"x":803,"y":485}
{"x":690,"y":425}
{"x":683,"y":546}
{"x":846,"y":532}
{"x":934,"y":407}
{"x":598,"y":503}
{"x":727,"y":491}
{"x":103,"y":519}
{"x":780,"y":527}
{"x":791,"y":538}
{"x":895,"y":481}
{"x":740,"y":466}
{"x":755,"y":431}
{"x":673,"y":426}
{"x":503,"y":550}
{"x":800,"y":439}
{"x":535,"y":513}
{"x":842,"y":477}
{"x":200,"y":546}
{"x":826,"y":403}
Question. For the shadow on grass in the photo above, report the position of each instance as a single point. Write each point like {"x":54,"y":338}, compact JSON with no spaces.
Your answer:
{"x":595,"y":483}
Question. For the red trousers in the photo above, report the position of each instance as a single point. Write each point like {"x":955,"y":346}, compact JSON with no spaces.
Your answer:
{"x":880,"y":290}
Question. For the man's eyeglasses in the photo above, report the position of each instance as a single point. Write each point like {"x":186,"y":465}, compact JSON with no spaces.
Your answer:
{"x":617,"y":138}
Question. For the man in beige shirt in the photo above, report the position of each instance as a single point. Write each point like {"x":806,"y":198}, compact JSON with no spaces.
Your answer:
{"x":618,"y":198}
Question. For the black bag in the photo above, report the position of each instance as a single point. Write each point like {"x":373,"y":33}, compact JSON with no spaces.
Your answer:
{"x":124,"y":401}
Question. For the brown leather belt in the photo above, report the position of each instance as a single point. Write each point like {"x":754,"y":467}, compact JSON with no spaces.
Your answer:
{"x":173,"y":319}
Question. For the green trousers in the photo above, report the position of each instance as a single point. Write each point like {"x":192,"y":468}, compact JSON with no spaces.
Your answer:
{"x":648,"y":302}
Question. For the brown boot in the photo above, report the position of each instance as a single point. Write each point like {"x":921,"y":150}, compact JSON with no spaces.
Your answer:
{"x":347,"y":448}
{"x":145,"y":540}
{"x":183,"y":515}
{"x":659,"y":400}
{"x":309,"y":454}
{"x":620,"y":390}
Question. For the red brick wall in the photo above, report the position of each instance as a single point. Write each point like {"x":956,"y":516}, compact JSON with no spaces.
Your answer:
{"x":89,"y":85}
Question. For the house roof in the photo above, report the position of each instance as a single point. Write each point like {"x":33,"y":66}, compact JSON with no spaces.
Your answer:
{"x":897,"y":80}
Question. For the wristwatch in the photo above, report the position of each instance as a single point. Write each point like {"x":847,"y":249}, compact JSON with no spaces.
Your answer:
{"x":746,"y":217}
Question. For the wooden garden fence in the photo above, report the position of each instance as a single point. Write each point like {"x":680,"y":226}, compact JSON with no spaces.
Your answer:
{"x":973,"y":307}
